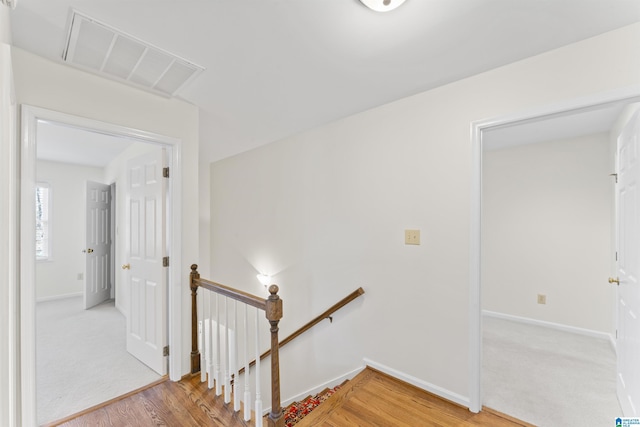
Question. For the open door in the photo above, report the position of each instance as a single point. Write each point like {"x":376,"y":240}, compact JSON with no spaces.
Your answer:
{"x":146,"y":249}
{"x":98,"y":250}
{"x":628,"y":231}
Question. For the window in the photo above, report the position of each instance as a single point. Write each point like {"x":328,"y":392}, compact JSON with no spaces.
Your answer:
{"x":43,"y":222}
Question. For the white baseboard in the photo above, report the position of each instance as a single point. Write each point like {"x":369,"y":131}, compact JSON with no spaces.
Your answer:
{"x":57,"y":297}
{"x":551,"y":325}
{"x":317,"y":389}
{"x":431,"y":388}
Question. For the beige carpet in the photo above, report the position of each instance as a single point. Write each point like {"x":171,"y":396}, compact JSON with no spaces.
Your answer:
{"x":81,"y":358}
{"x":548,"y":377}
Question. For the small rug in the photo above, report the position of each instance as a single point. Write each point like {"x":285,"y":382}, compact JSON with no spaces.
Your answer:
{"x":297,"y":411}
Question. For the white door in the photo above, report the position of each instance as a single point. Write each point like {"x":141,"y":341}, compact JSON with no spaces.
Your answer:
{"x":146,"y":247}
{"x":98,"y":250}
{"x":628,"y":229}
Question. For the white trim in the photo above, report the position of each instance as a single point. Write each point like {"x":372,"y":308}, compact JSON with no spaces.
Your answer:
{"x":612,"y":342}
{"x":551,"y":325}
{"x":627,"y":94}
{"x":431,"y":388}
{"x":9,"y":223}
{"x":475,"y":333}
{"x":30,"y":117}
{"x":27,"y":270}
{"x":317,"y":389}
{"x":59,"y":297}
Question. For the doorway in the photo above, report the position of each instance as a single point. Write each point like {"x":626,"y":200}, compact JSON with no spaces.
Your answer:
{"x":479,"y":131}
{"x":547,"y":251}
{"x":32,"y":117}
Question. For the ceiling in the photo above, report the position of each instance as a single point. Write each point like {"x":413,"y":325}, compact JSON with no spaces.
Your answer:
{"x":274,"y":68}
{"x":67,"y":144}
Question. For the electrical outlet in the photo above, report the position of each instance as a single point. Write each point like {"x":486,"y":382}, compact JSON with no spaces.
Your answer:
{"x":411,"y":237}
{"x":542,"y":299}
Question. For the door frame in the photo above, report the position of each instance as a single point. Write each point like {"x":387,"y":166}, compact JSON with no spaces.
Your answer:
{"x":30,"y":117}
{"x":628,"y":94}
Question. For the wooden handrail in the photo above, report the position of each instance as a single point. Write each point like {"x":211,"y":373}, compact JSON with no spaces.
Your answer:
{"x":235,"y":294}
{"x":325,"y":315}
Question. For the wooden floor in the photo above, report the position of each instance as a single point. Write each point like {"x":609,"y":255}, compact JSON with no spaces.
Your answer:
{"x":370,"y":399}
{"x":375,"y":399}
{"x":174,"y":404}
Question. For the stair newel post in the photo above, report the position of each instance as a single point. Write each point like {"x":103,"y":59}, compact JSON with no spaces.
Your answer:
{"x":195,"y":353}
{"x":273,"y":313}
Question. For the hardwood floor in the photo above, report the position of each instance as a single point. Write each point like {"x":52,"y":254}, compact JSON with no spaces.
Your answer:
{"x":376,"y":399}
{"x":185,"y":403}
{"x":370,"y":399}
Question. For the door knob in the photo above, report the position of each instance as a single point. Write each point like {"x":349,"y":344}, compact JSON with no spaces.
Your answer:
{"x":87,"y":251}
{"x":616,"y":280}
{"x":126,"y":266}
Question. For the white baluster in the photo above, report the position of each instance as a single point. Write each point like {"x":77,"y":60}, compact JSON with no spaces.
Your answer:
{"x":247,"y":391}
{"x":203,"y":366}
{"x":233,"y":356}
{"x":218,"y":339}
{"x":211,"y":342}
{"x":227,"y":373}
{"x":207,"y":337}
{"x":258,"y":392}
{"x":201,"y":344}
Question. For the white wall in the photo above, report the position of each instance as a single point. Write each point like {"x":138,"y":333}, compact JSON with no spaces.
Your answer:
{"x":547,"y":230}
{"x":9,"y":389}
{"x":324,"y":212}
{"x":115,"y":172}
{"x":50,"y":85}
{"x":58,"y":277}
{"x":5,"y":24}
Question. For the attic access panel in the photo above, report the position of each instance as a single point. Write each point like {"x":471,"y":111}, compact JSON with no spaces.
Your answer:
{"x":99,"y":48}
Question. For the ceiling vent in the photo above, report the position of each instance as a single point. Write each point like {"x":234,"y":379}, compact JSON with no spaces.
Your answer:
{"x":97,"y":47}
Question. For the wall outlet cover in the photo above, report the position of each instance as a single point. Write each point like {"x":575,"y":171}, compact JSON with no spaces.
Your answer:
{"x":411,"y":237}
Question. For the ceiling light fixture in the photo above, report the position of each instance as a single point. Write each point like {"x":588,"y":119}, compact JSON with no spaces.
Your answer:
{"x":382,"y":5}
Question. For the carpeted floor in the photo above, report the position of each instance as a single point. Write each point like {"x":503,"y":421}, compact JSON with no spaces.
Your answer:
{"x":81,"y":358}
{"x":548,"y":377}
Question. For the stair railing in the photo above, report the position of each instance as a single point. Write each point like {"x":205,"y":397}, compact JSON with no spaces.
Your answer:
{"x":214,"y":343}
{"x":310,"y":324}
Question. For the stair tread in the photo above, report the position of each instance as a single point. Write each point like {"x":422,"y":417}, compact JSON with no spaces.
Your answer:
{"x":297,"y":411}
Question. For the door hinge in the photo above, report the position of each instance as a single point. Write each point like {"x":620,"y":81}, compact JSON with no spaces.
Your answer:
{"x":165,"y":172}
{"x":616,"y":255}
{"x":616,"y":175}
{"x":165,"y":350}
{"x":165,"y":261}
